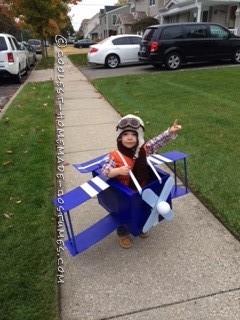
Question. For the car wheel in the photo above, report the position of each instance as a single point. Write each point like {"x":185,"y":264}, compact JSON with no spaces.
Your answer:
{"x":236,"y":56}
{"x":112,"y":61}
{"x":173,"y":61}
{"x":18,"y":77}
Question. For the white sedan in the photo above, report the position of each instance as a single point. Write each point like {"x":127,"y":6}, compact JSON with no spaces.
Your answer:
{"x":115,"y":50}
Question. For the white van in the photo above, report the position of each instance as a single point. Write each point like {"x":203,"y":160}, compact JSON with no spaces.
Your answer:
{"x":13,"y":60}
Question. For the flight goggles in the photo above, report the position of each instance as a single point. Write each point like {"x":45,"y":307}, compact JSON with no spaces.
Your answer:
{"x":129,"y":122}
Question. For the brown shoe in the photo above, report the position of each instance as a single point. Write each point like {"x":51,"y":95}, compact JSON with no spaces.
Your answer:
{"x":125,"y":242}
{"x":144,"y":234}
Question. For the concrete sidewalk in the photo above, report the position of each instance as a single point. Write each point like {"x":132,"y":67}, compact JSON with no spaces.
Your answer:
{"x":188,"y":269}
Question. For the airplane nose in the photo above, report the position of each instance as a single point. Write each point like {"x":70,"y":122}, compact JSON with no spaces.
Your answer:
{"x":163,"y":207}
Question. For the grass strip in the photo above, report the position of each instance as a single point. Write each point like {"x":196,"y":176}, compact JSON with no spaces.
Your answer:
{"x":27,"y":229}
{"x":206,"y":103}
{"x":45,"y":63}
{"x":79,"y":60}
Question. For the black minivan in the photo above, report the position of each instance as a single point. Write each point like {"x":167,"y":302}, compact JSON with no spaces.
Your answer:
{"x":177,"y":43}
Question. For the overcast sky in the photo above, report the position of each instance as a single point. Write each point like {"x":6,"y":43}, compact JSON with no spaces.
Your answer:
{"x":86,"y":10}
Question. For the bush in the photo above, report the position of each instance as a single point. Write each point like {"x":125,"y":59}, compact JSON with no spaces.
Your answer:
{"x":141,"y":25}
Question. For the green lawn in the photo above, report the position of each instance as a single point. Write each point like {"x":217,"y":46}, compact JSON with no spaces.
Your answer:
{"x":206,"y":103}
{"x":79,"y":60}
{"x":28,"y":283}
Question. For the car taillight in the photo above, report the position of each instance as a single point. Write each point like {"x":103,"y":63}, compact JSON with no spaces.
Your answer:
{"x":10,"y":57}
{"x":154,"y":46}
{"x":92,"y":50}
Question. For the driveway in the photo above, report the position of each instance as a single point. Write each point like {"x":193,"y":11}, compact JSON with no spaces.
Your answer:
{"x":94,"y":72}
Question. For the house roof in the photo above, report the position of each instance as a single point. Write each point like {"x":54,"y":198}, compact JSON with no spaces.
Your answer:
{"x":94,"y":30}
{"x":107,"y":9}
{"x":139,"y":15}
{"x":110,"y":8}
{"x":125,"y":18}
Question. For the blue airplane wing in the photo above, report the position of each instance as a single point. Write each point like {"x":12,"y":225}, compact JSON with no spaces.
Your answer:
{"x":91,"y":165}
{"x":96,"y":163}
{"x":159,"y":159}
{"x":81,"y":194}
{"x":92,"y":235}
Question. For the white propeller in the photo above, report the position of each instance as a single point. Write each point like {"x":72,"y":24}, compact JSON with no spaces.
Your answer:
{"x":159,"y":204}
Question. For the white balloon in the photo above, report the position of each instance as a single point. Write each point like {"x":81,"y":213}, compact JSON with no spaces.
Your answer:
{"x":163,"y":207}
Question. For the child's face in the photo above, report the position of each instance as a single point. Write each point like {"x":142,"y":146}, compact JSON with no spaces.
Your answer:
{"x":129,"y":139}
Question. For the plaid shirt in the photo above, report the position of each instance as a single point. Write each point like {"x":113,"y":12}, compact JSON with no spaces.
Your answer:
{"x":151,"y":147}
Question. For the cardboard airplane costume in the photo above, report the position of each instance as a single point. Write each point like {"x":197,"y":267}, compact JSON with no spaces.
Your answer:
{"x":138,"y":211}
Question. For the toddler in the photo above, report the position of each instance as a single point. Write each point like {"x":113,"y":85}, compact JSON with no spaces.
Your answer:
{"x":131,"y":154}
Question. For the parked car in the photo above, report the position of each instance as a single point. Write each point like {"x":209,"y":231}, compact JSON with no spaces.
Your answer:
{"x":84,"y":43}
{"x":36,"y":44}
{"x":174,"y":44}
{"x":30,"y":54}
{"x":13,"y":61}
{"x":115,"y":50}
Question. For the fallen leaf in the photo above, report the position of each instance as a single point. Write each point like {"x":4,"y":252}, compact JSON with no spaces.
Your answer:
{"x":66,"y":164}
{"x":7,"y":162}
{"x":136,"y":112}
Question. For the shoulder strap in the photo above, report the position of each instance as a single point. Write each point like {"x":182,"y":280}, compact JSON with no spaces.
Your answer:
{"x":131,"y":173}
{"x":154,"y":170}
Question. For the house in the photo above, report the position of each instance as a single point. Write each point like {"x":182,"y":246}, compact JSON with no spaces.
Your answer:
{"x":83,"y":28}
{"x":125,"y":21}
{"x":108,"y":18}
{"x":92,"y":28}
{"x":224,"y":12}
{"x":119,"y":19}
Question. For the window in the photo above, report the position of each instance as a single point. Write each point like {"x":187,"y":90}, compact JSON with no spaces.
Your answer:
{"x":148,"y":34}
{"x":135,"y":40}
{"x":218,"y":32}
{"x":114,"y":19}
{"x":15,"y":43}
{"x":196,"y":31}
{"x":122,"y":41}
{"x":3,"y":45}
{"x":152,"y":3}
{"x":172,"y":32}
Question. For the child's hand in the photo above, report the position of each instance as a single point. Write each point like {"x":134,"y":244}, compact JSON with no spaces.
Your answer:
{"x":175,"y":127}
{"x":120,"y":171}
{"x":124,"y":170}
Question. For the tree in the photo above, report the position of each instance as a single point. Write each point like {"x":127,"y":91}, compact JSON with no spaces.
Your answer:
{"x":43,"y":18}
{"x":121,"y":3}
{"x":141,"y":25}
